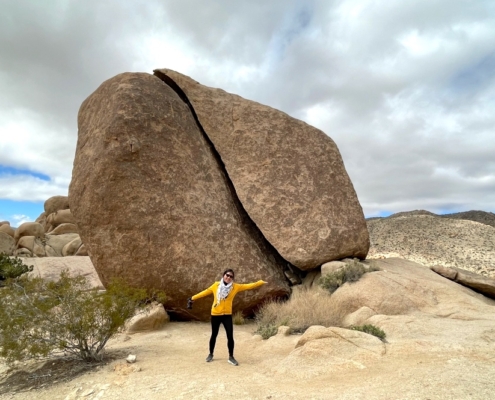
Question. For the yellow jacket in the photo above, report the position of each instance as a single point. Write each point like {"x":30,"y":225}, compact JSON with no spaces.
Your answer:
{"x":224,"y":307}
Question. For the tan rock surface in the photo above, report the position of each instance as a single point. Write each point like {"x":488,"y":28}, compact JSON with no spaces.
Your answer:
{"x":26,"y":242}
{"x":60,"y":217}
{"x":56,"y":203}
{"x":71,"y":248}
{"x":430,"y":241}
{"x":49,"y":268}
{"x":29,"y":229}
{"x":150,"y":319}
{"x":288,"y":175}
{"x":479,"y":283}
{"x":155,"y":207}
{"x":64,"y":228}
{"x":6,"y":228}
{"x":403,"y":287}
{"x":58,"y":242}
{"x":7,"y":243}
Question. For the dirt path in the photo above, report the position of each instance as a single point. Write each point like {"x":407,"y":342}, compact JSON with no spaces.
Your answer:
{"x":171,"y":365}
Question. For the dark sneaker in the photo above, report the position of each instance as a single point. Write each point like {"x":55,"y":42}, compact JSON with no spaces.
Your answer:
{"x":233,"y":361}
{"x":209,"y":358}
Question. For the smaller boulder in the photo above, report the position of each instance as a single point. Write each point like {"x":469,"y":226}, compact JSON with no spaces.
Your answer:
{"x":82,"y":251}
{"x":6,"y":228}
{"x":29,"y":229}
{"x":71,"y":248}
{"x":64,"y":228}
{"x":56,"y":203}
{"x":57,"y":242}
{"x":332,"y":266}
{"x":152,"y":318}
{"x":26,"y":242}
{"x":63,"y":217}
{"x":6,"y":243}
{"x":476,"y":282}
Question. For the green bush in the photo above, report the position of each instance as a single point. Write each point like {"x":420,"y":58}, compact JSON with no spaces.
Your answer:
{"x":371,"y":330}
{"x":351,"y":272}
{"x":38,"y":318}
{"x":12,"y":267}
{"x":267,"y":330}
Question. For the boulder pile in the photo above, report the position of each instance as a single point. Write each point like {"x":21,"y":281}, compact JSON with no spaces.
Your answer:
{"x":53,"y":234}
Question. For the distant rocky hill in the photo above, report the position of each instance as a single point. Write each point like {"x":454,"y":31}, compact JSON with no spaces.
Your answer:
{"x":483,"y":217}
{"x":464,"y":240}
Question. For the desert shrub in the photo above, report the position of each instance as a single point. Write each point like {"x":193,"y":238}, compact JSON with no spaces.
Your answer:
{"x":38,"y":318}
{"x":306,"y":307}
{"x":267,"y":330}
{"x":238,"y":318}
{"x":371,"y":330}
{"x":12,"y":267}
{"x":352,"y":272}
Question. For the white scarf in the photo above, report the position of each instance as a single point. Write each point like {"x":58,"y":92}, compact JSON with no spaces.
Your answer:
{"x":223,"y":290}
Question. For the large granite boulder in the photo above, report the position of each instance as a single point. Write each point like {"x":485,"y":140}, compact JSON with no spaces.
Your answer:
{"x":288,"y":175}
{"x":156,"y":208}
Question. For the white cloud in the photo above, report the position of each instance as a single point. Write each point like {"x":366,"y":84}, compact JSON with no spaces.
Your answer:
{"x":19,"y":219}
{"x":406,"y":89}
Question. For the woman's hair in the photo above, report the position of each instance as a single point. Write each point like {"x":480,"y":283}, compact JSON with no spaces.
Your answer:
{"x":228,"y":270}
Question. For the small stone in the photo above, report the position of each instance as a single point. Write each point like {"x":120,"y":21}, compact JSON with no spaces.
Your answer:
{"x":131,"y":358}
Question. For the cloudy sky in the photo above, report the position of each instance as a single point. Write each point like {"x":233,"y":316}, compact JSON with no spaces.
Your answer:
{"x":406,"y":88}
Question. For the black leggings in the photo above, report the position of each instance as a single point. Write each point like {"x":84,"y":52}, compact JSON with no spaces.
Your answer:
{"x":226,"y":320}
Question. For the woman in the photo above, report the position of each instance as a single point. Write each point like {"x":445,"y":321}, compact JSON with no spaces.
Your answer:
{"x":221,"y":312}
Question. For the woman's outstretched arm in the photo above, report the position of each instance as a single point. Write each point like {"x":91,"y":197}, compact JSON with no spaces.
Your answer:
{"x":250,"y":286}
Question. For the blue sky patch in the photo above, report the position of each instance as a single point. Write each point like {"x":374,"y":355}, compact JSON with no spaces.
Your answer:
{"x":17,"y":212}
{"x":4,"y":170}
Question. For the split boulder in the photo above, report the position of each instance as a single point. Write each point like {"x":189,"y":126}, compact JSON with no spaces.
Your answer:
{"x":156,"y":207}
{"x":288,"y":175}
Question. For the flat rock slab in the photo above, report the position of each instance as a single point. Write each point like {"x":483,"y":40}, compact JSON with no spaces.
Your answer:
{"x":478,"y":283}
{"x":288,"y":175}
{"x":49,"y":268}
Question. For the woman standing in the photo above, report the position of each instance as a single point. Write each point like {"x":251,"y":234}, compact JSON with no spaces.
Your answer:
{"x":221,"y":312}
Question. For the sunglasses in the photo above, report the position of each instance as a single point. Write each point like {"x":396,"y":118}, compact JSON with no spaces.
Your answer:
{"x":230,"y":276}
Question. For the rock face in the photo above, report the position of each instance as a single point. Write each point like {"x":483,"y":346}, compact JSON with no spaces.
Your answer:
{"x":6,"y":228}
{"x":7,"y":243}
{"x":56,"y":203}
{"x":166,"y":216}
{"x":478,"y":283}
{"x":288,"y":175}
{"x":49,"y":268}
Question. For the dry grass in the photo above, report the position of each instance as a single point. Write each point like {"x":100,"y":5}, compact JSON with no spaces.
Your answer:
{"x":238,"y":318}
{"x":305,"y":308}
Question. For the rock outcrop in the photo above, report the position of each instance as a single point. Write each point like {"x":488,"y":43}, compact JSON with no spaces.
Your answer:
{"x":288,"y":175}
{"x":479,"y":283}
{"x":7,"y":243}
{"x":156,"y":208}
{"x":49,"y":268}
{"x":53,"y":234}
{"x":6,"y":228}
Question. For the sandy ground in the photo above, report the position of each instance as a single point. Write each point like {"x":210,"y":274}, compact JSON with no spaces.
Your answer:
{"x":171,"y":365}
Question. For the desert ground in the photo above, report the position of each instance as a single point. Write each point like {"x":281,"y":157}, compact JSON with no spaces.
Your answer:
{"x":170,"y":365}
